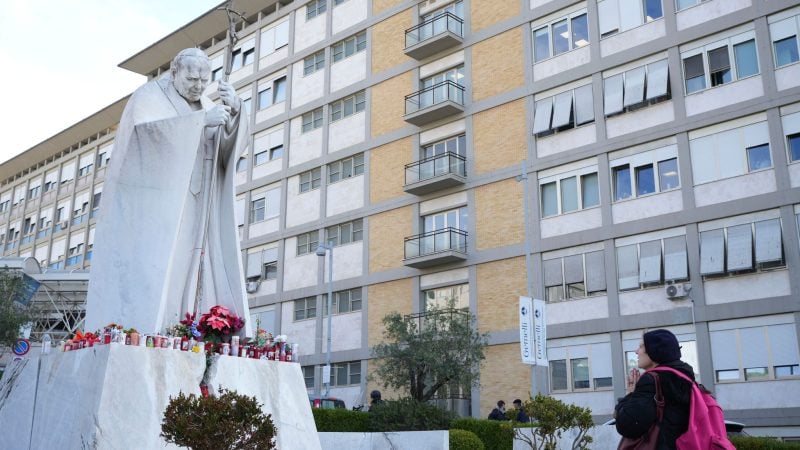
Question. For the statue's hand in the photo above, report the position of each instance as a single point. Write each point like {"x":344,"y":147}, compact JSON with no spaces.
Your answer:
{"x":228,"y":96}
{"x":218,"y":115}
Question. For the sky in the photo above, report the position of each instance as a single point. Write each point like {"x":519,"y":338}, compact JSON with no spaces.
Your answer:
{"x":60,"y":57}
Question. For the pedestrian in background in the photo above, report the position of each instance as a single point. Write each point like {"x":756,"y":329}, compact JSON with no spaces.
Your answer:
{"x":499,"y":413}
{"x":522,"y":416}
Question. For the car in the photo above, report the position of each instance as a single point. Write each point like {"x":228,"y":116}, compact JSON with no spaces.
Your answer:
{"x":326,"y":402}
{"x":733,"y":428}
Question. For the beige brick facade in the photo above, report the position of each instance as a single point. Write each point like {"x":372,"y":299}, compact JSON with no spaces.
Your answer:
{"x":385,"y":298}
{"x":388,"y":41}
{"x":503,"y":377}
{"x":499,"y":214}
{"x":378,"y":6}
{"x":386,"y":233}
{"x":486,"y":13}
{"x":500,"y":283}
{"x":498,"y":65}
{"x":387,"y":170}
{"x":373,"y":382}
{"x":500,"y":138}
{"x":388,"y":104}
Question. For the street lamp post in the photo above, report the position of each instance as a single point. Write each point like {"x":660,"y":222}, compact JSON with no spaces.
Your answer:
{"x":321,"y":251}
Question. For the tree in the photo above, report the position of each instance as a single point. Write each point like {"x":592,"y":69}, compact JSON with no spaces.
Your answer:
{"x":13,"y":314}
{"x":230,"y":421}
{"x":425,"y":352}
{"x":552,"y":418}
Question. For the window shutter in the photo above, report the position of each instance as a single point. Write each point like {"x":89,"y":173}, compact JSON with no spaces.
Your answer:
{"x":783,"y":344}
{"x":723,"y":354}
{"x":573,"y":269}
{"x":753,"y":343}
{"x":612,"y":88}
{"x":634,"y":86}
{"x":712,"y":252}
{"x":541,"y":120}
{"x":254,"y":263}
{"x":650,"y":262}
{"x":552,"y":272}
{"x":595,"y":272}
{"x":608,"y":11}
{"x":563,"y":109}
{"x":693,"y":66}
{"x":675,"y":266}
{"x":657,"y":79}
{"x":584,"y":105}
{"x":628,"y":267}
{"x":600,"y":360}
{"x":718,"y":59}
{"x":740,"y":247}
{"x":768,"y":241}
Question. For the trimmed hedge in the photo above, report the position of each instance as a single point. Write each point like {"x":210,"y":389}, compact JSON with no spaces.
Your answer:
{"x":465,"y":440}
{"x":408,"y":415}
{"x":340,"y":420}
{"x":495,"y":435}
{"x":762,"y":443}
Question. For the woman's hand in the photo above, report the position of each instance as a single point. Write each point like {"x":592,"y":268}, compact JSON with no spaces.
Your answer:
{"x":633,"y":378}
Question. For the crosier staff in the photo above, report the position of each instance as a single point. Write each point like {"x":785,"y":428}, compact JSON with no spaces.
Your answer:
{"x":233,"y":38}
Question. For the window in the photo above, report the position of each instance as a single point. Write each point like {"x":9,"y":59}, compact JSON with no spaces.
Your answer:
{"x":271,"y":93}
{"x":315,"y":8}
{"x":652,"y":263}
{"x":310,"y":180}
{"x":560,"y":36}
{"x":267,"y":155}
{"x":85,"y":170}
{"x":346,"y":373}
{"x":243,"y":56}
{"x":305,"y":308}
{"x":314,"y":62}
{"x":349,"y":46}
{"x":715,"y":60}
{"x":343,"y":301}
{"x":345,"y":233}
{"x":348,"y":106}
{"x":575,"y":276}
{"x":793,"y":145}
{"x":307,"y":243}
{"x":34,"y":191}
{"x":264,"y":204}
{"x":784,"y":41}
{"x":622,"y":15}
{"x":247,"y":104}
{"x":346,"y":168}
{"x":567,"y":193}
{"x":758,"y":157}
{"x":312,"y":120}
{"x":730,"y":250}
{"x":308,"y":376}
{"x":564,"y":111}
{"x":262,"y":263}
{"x":644,"y":174}
{"x":441,"y":298}
{"x":683,"y":4}
{"x":636,"y":88}
{"x":744,"y":350}
{"x":580,"y":367}
{"x":274,"y":38}
{"x":241,"y":164}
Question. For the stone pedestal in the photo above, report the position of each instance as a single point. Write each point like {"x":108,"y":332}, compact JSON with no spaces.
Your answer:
{"x":114,"y":396}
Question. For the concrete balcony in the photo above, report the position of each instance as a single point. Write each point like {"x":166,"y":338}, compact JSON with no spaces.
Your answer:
{"x":435,"y":102}
{"x":434,"y":35}
{"x":435,"y":247}
{"x":435,"y":173}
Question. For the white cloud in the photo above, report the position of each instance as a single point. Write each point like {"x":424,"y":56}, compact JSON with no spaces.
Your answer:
{"x":60,"y":59}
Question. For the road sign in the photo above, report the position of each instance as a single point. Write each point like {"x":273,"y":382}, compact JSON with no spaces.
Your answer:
{"x":21,"y":347}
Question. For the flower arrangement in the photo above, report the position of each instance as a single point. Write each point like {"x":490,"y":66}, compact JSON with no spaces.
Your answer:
{"x":187,"y":327}
{"x":219,"y":323}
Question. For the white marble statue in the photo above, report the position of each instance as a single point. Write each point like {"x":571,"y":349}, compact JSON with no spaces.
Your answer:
{"x":148,"y":240}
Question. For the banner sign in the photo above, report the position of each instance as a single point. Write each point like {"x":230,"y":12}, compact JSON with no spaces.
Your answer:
{"x":526,"y":344}
{"x":540,"y":332}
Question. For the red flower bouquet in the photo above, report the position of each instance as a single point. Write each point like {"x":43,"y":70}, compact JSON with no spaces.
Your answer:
{"x":218,"y":324}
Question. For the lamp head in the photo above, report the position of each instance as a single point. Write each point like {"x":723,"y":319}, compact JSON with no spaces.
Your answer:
{"x":321,"y":250}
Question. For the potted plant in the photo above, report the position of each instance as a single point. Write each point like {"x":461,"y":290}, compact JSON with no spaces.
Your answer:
{"x":132,"y":336}
{"x":218,"y":324}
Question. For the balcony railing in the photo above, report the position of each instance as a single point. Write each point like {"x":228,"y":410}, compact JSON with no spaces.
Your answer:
{"x":435,"y":172}
{"x":434,"y":102}
{"x":436,"y":247}
{"x":438,"y":317}
{"x":434,"y":35}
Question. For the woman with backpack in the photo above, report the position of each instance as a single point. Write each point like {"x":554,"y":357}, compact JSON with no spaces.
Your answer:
{"x":636,"y":413}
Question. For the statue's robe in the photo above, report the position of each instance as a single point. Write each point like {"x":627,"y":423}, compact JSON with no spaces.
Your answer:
{"x":147,"y":243}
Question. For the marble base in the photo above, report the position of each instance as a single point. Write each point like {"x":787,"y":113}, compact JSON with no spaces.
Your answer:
{"x":114,"y":396}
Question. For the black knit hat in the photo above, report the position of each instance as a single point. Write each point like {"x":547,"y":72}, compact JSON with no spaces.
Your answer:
{"x":661,"y":346}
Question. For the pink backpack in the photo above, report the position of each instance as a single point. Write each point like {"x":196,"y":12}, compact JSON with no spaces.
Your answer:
{"x":706,"y":422}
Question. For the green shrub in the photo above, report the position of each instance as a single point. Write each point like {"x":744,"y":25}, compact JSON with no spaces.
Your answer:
{"x":494,"y":434}
{"x":465,"y":440}
{"x":762,"y":443}
{"x":408,"y":415}
{"x":230,"y":421}
{"x":340,"y":420}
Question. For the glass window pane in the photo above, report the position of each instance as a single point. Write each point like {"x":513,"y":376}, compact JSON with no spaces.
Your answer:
{"x":728,"y":375}
{"x":589,"y":190}
{"x":549,"y":199}
{"x":580,"y":31}
{"x":558,"y":375}
{"x":668,"y":174}
{"x":645,"y":181}
{"x":560,"y":37}
{"x":786,"y":51}
{"x":755,"y":373}
{"x":758,"y":157}
{"x":794,"y":147}
{"x":652,"y":10}
{"x":569,"y":194}
{"x":622,"y":182}
{"x":787,"y":371}
{"x":719,"y":66}
{"x":580,"y":373}
{"x":541,"y":44}
{"x":694,"y":73}
{"x":746,"y":59}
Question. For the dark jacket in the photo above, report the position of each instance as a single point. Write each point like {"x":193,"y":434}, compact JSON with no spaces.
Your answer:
{"x":636,"y":412}
{"x":496,"y":414}
{"x":522,"y":416}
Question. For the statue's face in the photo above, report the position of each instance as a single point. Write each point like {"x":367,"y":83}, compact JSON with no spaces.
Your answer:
{"x":191,"y":78}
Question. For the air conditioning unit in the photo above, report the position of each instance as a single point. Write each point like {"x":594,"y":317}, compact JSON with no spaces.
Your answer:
{"x":677,"y":291}
{"x":252,"y":287}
